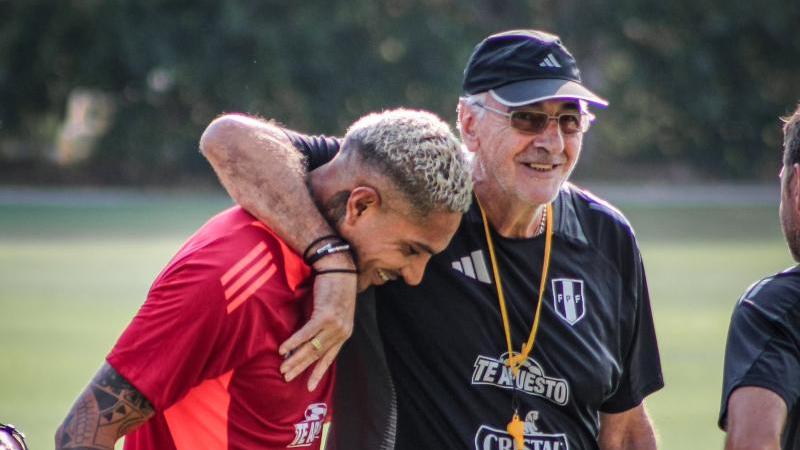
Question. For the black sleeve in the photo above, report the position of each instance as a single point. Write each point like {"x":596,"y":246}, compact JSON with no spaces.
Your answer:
{"x":641,"y":371}
{"x":762,"y":348}
{"x":317,"y":150}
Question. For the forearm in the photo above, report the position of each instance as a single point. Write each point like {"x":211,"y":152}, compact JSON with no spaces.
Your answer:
{"x":106,"y":410}
{"x":629,"y":430}
{"x":265,"y":174}
{"x":756,"y":417}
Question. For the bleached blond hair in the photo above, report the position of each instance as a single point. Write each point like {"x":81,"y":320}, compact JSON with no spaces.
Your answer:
{"x":419,"y":153}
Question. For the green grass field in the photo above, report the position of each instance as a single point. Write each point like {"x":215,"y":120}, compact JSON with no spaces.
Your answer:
{"x":73,"y":274}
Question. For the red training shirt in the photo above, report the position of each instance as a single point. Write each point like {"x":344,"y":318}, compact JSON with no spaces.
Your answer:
{"x":203,"y":349}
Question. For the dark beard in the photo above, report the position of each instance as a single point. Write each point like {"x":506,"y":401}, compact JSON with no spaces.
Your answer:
{"x":793,"y":239}
{"x":791,"y":232}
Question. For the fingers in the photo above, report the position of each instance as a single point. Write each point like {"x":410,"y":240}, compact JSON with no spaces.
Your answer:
{"x":321,"y":338}
{"x":334,"y":306}
{"x":305,"y":355}
{"x":322,"y":366}
{"x":301,"y":336}
{"x":299,"y":361}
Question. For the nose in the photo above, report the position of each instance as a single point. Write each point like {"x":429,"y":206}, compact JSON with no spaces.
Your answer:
{"x":551,"y":139}
{"x":413,"y":272}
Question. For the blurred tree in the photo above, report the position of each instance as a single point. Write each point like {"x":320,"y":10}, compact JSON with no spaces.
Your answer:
{"x":694,"y":85}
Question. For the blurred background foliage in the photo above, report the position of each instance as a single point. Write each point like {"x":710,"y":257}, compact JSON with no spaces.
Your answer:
{"x":118,"y":92}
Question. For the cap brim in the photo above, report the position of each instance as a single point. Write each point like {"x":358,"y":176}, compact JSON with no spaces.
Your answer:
{"x":534,"y":91}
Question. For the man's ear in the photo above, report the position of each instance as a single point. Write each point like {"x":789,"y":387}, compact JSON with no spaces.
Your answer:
{"x":467,"y":121}
{"x":363,"y":200}
{"x":794,"y":185}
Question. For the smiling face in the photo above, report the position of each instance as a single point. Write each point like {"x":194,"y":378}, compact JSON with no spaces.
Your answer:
{"x":392,"y":242}
{"x":529,"y":168}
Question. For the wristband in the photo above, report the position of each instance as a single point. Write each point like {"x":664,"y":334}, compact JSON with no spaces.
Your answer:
{"x":317,"y":241}
{"x":327,"y":250}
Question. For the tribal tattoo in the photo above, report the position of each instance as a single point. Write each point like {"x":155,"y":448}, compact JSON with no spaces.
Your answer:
{"x":106,"y":410}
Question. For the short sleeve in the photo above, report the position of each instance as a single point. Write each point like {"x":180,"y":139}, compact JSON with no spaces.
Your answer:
{"x":641,"y":370}
{"x":164,"y":349}
{"x":762,"y":347}
{"x":188,"y":330}
{"x":317,"y":150}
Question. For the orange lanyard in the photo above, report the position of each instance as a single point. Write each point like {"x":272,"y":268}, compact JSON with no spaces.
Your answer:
{"x":516,"y":427}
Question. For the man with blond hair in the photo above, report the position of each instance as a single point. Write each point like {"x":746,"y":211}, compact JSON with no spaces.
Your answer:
{"x":198,"y":367}
{"x":761,"y":382}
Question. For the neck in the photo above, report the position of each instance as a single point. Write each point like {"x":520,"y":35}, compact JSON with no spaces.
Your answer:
{"x":323,"y":183}
{"x":508,"y":216}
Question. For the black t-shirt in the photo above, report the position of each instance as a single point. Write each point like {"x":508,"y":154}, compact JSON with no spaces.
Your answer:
{"x":764,"y":347}
{"x":444,"y":341}
{"x":317,"y":150}
{"x":595,"y":350}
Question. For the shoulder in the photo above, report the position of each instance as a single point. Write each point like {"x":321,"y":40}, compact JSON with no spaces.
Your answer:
{"x":231,"y":243}
{"x":317,"y":150}
{"x":593,"y":210}
{"x":585,"y":216}
{"x":776,"y":297}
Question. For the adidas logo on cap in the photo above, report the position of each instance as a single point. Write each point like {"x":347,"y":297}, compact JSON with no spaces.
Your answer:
{"x":549,"y":61}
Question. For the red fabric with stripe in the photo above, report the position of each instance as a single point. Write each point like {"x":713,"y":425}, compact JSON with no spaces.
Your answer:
{"x":203,"y":347}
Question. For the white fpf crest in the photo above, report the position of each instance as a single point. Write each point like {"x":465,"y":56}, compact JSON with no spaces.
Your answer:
{"x":568,"y":299}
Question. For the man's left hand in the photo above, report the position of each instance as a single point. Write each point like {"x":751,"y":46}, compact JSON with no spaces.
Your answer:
{"x":330,"y":325}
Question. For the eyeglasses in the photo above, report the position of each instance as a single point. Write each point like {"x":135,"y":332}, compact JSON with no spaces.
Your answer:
{"x":533,"y":122}
{"x":15,"y":434}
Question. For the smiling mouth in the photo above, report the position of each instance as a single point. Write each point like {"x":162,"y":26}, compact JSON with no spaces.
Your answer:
{"x":539,"y":167}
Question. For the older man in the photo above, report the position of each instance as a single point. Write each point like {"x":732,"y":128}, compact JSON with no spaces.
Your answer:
{"x":198,"y":367}
{"x":533,"y":329}
{"x":761,"y":383}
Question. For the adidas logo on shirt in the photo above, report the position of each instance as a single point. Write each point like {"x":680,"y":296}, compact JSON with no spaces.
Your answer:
{"x":473,"y":266}
{"x":550,"y":61}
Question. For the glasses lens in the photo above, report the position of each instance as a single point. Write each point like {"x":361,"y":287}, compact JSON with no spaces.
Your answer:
{"x":529,"y":121}
{"x":536,"y":122}
{"x":570,"y":123}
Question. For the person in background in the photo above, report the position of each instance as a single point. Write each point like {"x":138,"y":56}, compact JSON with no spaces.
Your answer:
{"x":761,"y":379}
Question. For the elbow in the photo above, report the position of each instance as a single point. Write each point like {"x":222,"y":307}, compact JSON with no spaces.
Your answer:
{"x":216,"y":142}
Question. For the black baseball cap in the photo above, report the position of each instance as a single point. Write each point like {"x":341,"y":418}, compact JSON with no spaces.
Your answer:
{"x":520,"y":67}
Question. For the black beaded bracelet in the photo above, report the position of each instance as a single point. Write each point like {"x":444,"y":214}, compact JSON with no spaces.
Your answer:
{"x":324,"y":271}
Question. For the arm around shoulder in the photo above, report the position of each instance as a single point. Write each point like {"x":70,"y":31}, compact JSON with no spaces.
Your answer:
{"x":263,"y":172}
{"x":755,"y":419}
{"x":109,"y":408}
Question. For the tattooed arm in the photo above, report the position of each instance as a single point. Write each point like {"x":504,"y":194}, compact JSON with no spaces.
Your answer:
{"x":106,"y":410}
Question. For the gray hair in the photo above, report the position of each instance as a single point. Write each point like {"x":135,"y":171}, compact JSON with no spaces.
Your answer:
{"x":418,"y":152}
{"x":791,"y":138}
{"x":471,"y":101}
